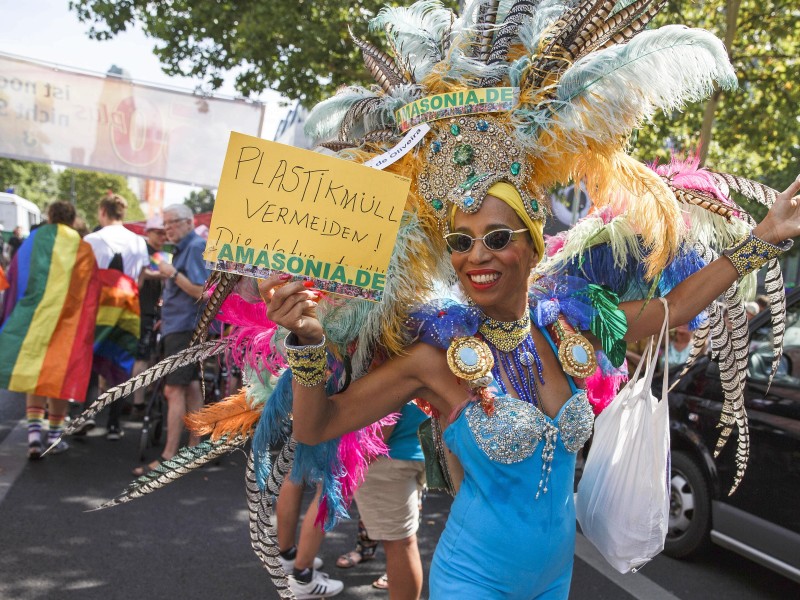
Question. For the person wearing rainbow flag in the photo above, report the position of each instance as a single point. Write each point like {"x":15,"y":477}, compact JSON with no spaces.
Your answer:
{"x":47,"y":326}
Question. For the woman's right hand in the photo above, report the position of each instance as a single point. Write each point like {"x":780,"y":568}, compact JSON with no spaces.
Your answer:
{"x":291,"y":304}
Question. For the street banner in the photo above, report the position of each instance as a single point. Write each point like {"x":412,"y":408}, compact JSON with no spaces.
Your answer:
{"x":284,"y":209}
{"x":113,"y":125}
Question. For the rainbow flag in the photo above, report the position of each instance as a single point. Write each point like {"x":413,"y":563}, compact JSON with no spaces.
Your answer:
{"x":116,"y":333}
{"x":156,"y":258}
{"x":50,"y":307}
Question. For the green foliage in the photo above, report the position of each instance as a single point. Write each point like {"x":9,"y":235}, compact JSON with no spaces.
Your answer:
{"x":756,"y":131}
{"x":90,"y":187}
{"x":200,"y":202}
{"x":299,"y":48}
{"x":36,"y":182}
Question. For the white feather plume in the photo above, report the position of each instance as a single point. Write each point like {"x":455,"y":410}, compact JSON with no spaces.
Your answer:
{"x":324,"y":120}
{"x":604,"y":95}
{"x":417,"y":32}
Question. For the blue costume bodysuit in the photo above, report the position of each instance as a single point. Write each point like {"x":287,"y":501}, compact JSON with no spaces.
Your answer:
{"x":511,"y":530}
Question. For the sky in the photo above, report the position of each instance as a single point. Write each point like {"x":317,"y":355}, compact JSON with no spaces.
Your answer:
{"x":46,"y":30}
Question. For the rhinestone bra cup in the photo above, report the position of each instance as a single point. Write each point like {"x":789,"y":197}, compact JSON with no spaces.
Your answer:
{"x":514,"y":431}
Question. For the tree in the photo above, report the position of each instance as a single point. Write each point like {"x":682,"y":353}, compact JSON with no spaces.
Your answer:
{"x":299,"y":48}
{"x":755,"y":130}
{"x":91,"y":187}
{"x":33,"y":181}
{"x":200,"y":202}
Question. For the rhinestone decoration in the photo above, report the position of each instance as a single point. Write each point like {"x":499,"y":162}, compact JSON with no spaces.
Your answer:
{"x":463,"y":155}
{"x":576,"y":355}
{"x":506,"y":335}
{"x":437,"y":204}
{"x":469,"y":358}
{"x":576,"y":422}
{"x":469,"y":154}
{"x":515,"y":429}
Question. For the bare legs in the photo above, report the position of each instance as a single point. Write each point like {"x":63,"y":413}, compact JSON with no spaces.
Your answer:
{"x":403,"y":568}
{"x":180,"y":400}
{"x":288,"y":513}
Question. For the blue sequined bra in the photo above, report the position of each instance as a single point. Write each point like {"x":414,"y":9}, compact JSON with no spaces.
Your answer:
{"x":514,"y":430}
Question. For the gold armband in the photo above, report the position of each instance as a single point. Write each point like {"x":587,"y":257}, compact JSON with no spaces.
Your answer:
{"x":751,"y":253}
{"x":308,"y":363}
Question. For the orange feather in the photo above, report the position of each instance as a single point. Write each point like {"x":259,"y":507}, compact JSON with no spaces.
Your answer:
{"x":232,"y":416}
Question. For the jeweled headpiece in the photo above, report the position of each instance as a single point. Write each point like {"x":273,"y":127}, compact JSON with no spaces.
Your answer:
{"x":465,"y":156}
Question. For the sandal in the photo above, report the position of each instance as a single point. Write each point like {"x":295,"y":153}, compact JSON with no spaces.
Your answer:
{"x":351,"y":559}
{"x":145,"y":469}
{"x":381,"y":583}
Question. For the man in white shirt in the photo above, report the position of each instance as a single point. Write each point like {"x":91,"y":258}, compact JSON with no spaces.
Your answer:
{"x":115,"y":238}
{"x":116,"y":247}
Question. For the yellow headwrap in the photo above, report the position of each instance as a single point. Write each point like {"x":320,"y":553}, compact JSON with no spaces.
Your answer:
{"x":509,"y":194}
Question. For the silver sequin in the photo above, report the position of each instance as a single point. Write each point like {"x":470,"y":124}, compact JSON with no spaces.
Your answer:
{"x":514,"y":430}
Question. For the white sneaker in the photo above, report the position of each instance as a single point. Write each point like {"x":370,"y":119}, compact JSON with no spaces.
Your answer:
{"x":288,"y":565}
{"x":320,"y":586}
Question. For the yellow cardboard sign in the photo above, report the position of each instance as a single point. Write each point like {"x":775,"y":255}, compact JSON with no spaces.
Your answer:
{"x":281,"y":208}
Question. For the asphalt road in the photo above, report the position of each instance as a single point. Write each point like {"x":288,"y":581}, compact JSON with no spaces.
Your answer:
{"x":190,"y":539}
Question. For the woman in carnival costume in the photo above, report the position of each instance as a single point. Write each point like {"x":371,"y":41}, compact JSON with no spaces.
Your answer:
{"x":514,"y":370}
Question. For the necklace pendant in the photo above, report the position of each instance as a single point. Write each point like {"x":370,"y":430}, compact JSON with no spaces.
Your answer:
{"x":577,"y":356}
{"x":526,"y":358}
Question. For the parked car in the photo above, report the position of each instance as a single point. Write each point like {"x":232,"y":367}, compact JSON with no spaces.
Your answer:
{"x":760,"y":520}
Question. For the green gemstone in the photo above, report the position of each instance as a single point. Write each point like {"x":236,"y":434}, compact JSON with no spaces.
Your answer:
{"x":515,"y":168}
{"x":535,"y":205}
{"x":455,"y":129}
{"x":437,"y":204}
{"x":463,"y":155}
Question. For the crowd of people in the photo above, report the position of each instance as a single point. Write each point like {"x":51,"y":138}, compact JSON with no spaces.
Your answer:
{"x":104,"y":293}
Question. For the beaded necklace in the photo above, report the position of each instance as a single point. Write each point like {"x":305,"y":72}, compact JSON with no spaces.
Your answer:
{"x":515,"y":354}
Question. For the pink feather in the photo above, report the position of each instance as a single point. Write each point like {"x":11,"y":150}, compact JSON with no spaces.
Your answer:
{"x":252,"y":335}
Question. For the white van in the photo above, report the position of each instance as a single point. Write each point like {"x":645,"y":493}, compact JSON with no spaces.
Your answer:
{"x":15,"y":211}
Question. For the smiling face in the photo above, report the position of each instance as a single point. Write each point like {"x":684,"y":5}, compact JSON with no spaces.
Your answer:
{"x":496,"y":280}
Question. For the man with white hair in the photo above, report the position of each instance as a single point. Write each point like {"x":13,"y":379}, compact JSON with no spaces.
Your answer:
{"x":181,"y":307}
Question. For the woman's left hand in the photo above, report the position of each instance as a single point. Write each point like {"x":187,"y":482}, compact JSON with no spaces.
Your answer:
{"x":783,"y":219}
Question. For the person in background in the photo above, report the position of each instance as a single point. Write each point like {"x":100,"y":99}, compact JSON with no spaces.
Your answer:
{"x":118,"y":251}
{"x":299,"y":557}
{"x":15,"y":241}
{"x":150,"y":287}
{"x":185,"y":278}
{"x":81,"y":227}
{"x":47,"y":325}
{"x":388,"y":502}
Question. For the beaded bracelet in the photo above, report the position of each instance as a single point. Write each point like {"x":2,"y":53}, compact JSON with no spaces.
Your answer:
{"x":751,"y":253}
{"x":308,"y":363}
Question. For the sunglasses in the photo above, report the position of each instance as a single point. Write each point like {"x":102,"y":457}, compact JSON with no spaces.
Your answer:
{"x":494,"y":240}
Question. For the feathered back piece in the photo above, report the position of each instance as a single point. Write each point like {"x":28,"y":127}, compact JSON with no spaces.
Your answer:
{"x":585,"y":74}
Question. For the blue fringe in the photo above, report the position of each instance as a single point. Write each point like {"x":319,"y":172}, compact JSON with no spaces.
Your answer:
{"x":271,"y":425}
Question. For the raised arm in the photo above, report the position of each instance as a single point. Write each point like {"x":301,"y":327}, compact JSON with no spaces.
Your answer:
{"x":697,"y":291}
{"x":318,"y":417}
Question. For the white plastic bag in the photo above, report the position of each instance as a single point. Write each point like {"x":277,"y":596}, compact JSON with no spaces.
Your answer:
{"x":623,"y":495}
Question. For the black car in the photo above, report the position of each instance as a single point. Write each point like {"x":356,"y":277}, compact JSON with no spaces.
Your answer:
{"x":761,"y":519}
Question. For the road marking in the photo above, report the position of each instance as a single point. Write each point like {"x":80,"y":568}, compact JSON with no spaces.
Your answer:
{"x":13,"y":456}
{"x":636,"y":584}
